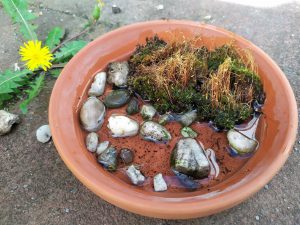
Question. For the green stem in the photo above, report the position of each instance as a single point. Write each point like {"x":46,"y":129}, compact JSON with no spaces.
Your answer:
{"x":24,"y":21}
{"x":74,"y":37}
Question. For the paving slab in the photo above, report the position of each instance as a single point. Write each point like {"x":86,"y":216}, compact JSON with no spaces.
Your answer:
{"x":35,"y":185}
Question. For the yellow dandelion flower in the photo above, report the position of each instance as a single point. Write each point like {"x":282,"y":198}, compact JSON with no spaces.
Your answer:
{"x":36,"y":56}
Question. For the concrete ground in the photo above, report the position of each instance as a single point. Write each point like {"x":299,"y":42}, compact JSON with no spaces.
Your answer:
{"x":35,"y":185}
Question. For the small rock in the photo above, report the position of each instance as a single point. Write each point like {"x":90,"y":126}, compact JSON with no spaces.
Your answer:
{"x":155,"y":132}
{"x":148,"y":112}
{"x":117,"y":73}
{"x":296,"y":149}
{"x":116,"y":9}
{"x":160,"y":7}
{"x":6,"y":121}
{"x":135,"y":175}
{"x":67,"y":210}
{"x":188,"y":118}
{"x":132,"y":107}
{"x":98,"y":85}
{"x":257,"y":218}
{"x":159,"y":183}
{"x":25,"y":186}
{"x":122,"y":126}
{"x":117,"y":98}
{"x":126,"y":155}
{"x":102,"y":147}
{"x":240,"y":143}
{"x":166,"y":118}
{"x":92,"y":114}
{"x":186,"y":181}
{"x":108,"y":159}
{"x":91,"y":141}
{"x":188,"y":157}
{"x":208,"y":17}
{"x":43,"y":133}
{"x":188,"y":132}
{"x":266,"y":187}
{"x":40,"y":13}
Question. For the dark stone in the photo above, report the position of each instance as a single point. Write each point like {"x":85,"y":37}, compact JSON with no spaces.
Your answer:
{"x":117,"y":98}
{"x":133,"y":107}
{"x":116,"y":9}
{"x":108,"y":159}
{"x":126,"y":155}
{"x":186,"y":181}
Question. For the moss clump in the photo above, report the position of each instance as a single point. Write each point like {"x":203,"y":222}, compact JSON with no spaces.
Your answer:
{"x":178,"y":77}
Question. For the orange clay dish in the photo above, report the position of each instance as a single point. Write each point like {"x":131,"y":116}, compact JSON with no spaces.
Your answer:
{"x":179,"y":117}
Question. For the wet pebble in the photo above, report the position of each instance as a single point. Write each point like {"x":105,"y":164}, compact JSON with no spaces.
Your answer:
{"x":126,"y":155}
{"x":98,"y":85}
{"x":108,"y":159}
{"x":136,"y":177}
{"x":152,"y":131}
{"x":92,"y":114}
{"x":159,"y":183}
{"x":240,"y":142}
{"x":186,"y":181}
{"x":148,"y":112}
{"x":117,"y":98}
{"x":122,"y":126}
{"x":43,"y":133}
{"x":102,"y":147}
{"x":91,"y":141}
{"x":188,"y":157}
{"x":133,"y":107}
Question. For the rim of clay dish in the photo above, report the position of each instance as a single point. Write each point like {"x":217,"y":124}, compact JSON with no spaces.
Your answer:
{"x":64,"y":137}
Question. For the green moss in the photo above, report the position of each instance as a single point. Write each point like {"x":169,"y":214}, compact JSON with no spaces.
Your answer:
{"x":174,"y":95}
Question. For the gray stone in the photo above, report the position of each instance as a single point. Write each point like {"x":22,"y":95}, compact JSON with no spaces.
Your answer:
{"x":91,"y":141}
{"x":159,"y":183}
{"x":108,"y":159}
{"x":102,"y":147}
{"x":98,"y":85}
{"x":126,"y":155}
{"x":240,"y":142}
{"x":117,"y":73}
{"x":6,"y":121}
{"x":148,"y":112}
{"x":92,"y":114}
{"x":152,"y":131}
{"x":136,"y":177}
{"x":117,"y":98}
{"x":132,"y":107}
{"x":188,"y":157}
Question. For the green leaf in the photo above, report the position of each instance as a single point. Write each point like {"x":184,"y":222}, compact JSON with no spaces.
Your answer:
{"x":69,"y":50}
{"x":34,"y":90}
{"x":18,"y":11}
{"x":96,"y":12}
{"x":11,"y":80}
{"x":54,"y":36}
{"x":55,"y":72}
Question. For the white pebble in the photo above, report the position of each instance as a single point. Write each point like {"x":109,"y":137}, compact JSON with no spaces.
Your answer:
{"x":43,"y":133}
{"x":91,"y":141}
{"x":159,"y":183}
{"x":102,"y":147}
{"x":160,"y":7}
{"x":257,"y":217}
{"x":208,"y":17}
{"x":98,"y":85}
